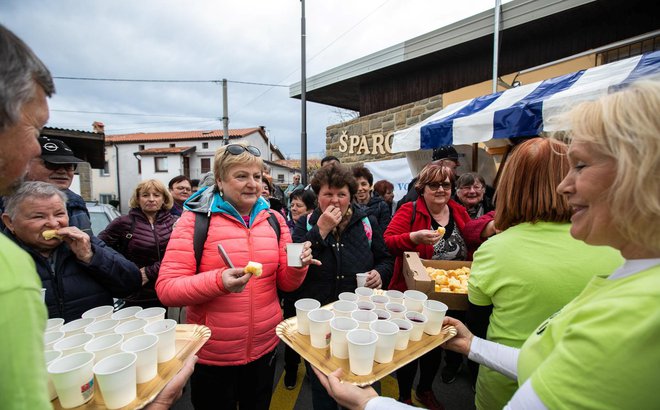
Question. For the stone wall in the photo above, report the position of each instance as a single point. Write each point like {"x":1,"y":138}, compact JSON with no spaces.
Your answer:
{"x":374,"y":131}
{"x":84,"y":173}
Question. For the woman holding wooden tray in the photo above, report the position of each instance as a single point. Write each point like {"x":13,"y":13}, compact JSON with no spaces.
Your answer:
{"x":600,"y":351}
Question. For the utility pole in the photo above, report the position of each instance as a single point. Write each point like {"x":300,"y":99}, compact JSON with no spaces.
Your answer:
{"x":225,"y":113}
{"x":496,"y":41}
{"x":303,"y":100}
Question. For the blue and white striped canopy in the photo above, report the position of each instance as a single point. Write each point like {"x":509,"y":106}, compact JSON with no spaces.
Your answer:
{"x":521,"y":111}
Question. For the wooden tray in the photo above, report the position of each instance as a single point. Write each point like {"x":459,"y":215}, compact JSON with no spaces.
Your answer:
{"x":189,"y":339}
{"x":325,"y":362}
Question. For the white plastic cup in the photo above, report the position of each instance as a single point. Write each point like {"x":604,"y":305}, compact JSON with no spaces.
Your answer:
{"x":395,"y":296}
{"x":435,"y":312}
{"x":364,"y":293}
{"x":104,"y":346}
{"x":380,"y":301}
{"x":73,"y":377}
{"x":73,"y":344}
{"x":319,"y":327}
{"x":54,"y":324}
{"x":51,"y":356}
{"x":102,"y":327}
{"x":343,"y":308}
{"x":151,"y":314}
{"x":382,"y":314}
{"x":50,"y":338}
{"x":398,"y":310}
{"x":304,"y":306}
{"x":131,"y":328}
{"x":166,"y":331}
{"x":293,"y":253}
{"x":386,"y":332}
{"x":99,"y":313}
{"x":365,"y":305}
{"x":348,"y":296}
{"x":116,"y":376}
{"x":339,"y":327}
{"x":364,"y":317}
{"x":126,"y":314}
{"x":413,"y":300}
{"x":361,"y":351}
{"x":361,"y":279}
{"x":402,"y":338}
{"x":146,"y":349}
{"x":77,"y":326}
{"x":418,"y":321}
{"x":43,"y":295}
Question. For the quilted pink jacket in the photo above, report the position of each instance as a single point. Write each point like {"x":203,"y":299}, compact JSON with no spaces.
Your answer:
{"x":242,"y":324}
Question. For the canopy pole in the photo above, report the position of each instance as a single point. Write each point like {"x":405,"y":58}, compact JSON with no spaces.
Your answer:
{"x":496,"y":40}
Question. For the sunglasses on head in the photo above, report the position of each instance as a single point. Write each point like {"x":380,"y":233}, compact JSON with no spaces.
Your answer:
{"x":54,"y":167}
{"x":237,"y":149}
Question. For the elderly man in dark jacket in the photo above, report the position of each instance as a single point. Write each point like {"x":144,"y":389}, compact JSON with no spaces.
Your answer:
{"x":79,"y":272}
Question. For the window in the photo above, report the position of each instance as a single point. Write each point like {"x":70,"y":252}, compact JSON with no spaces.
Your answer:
{"x":205,"y":145}
{"x":160,"y":164}
{"x":105,"y":198}
{"x":141,"y":147}
{"x":206,"y":165}
{"x":105,"y":171}
{"x":629,"y":50}
{"x":280,"y":178}
{"x":172,"y":145}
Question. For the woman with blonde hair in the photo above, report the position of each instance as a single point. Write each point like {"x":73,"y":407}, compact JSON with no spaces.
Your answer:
{"x":237,"y":365}
{"x":142,"y":236}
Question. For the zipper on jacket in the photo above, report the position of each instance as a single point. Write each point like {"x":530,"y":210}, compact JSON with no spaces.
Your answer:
{"x":153,"y":231}
{"x":248,"y":351}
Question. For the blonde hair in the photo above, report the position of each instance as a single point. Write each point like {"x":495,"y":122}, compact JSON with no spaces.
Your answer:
{"x":222,"y":163}
{"x":157,"y":186}
{"x":625,"y":126}
{"x":527,"y":191}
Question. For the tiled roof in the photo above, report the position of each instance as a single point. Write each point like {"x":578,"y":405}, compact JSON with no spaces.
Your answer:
{"x":178,"y":135}
{"x":167,"y":150}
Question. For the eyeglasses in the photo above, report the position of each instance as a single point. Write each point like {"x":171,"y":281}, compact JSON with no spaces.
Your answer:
{"x":467,"y":188}
{"x":54,"y":167}
{"x":237,"y":149}
{"x":182,"y":189}
{"x":434,"y":186}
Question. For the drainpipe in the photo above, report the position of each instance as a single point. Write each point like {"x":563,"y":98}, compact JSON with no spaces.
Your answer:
{"x":117,"y":166}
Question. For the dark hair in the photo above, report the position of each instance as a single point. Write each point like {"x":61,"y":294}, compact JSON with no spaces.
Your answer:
{"x":328,"y":159}
{"x":178,"y":179}
{"x":363,"y":172}
{"x":382,"y":186}
{"x":432,"y":173}
{"x":307,"y":196}
{"x":334,"y":176}
{"x":469,"y":178}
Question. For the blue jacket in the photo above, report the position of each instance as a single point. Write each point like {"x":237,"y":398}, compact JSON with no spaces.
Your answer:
{"x":72,"y":287}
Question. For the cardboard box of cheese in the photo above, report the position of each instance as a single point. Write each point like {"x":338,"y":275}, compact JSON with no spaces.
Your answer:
{"x":417,"y":277}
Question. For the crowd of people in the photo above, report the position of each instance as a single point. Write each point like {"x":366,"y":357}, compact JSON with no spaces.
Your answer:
{"x":548,"y":322}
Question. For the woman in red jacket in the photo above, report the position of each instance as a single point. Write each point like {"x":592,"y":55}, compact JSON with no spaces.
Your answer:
{"x":414,"y":228}
{"x":236,"y":366}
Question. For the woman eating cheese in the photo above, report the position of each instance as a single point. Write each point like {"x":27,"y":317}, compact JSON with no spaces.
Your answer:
{"x":236,"y":366}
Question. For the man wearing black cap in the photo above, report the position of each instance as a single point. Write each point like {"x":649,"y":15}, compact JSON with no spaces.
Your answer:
{"x":446,"y":156}
{"x":56,"y":165}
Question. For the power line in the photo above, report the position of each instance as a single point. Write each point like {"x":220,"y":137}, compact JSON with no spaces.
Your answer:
{"x":144,"y":80}
{"x":134,"y":114}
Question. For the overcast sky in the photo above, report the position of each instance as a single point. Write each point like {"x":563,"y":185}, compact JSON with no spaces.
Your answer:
{"x":241,"y":40}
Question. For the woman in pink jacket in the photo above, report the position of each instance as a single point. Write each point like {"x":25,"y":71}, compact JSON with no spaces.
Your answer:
{"x":236,"y":366}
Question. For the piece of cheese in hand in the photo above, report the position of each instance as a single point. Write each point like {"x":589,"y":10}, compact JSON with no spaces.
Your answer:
{"x":50,"y":234}
{"x":441,"y":230}
{"x":254,"y":268}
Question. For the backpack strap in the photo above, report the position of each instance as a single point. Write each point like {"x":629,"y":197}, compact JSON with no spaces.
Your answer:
{"x":123,"y":246}
{"x":202,"y":221}
{"x":201,"y":230}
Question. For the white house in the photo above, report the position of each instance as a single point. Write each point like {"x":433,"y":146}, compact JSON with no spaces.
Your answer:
{"x":164,"y":155}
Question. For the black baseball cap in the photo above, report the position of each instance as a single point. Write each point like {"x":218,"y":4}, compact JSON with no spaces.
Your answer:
{"x":445,"y":152}
{"x":57,"y":152}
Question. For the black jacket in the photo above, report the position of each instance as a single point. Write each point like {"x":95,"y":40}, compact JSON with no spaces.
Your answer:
{"x":342,"y":259}
{"x":72,"y":287}
{"x":377,"y":208}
